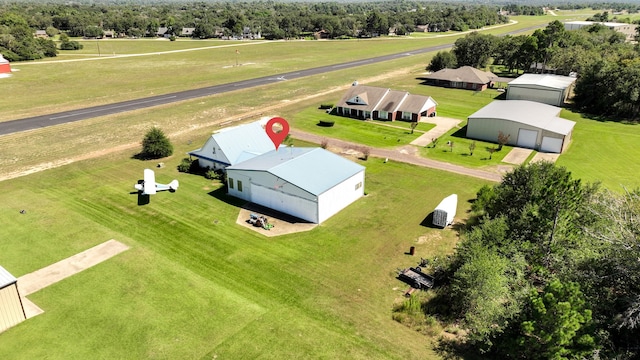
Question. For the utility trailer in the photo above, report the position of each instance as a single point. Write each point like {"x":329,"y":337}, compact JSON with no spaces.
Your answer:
{"x":445,"y":211}
{"x":416,"y":278}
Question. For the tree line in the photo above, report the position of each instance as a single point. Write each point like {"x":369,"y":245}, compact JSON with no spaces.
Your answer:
{"x":272,"y":20}
{"x":547,"y":268}
{"x":607,"y":67}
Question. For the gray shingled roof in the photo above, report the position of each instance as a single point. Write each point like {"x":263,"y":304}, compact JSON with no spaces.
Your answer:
{"x":417,"y":103}
{"x":466,"y":74}
{"x":369,"y":94}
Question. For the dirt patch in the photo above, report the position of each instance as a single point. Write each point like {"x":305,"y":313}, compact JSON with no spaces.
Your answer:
{"x":283,"y":224}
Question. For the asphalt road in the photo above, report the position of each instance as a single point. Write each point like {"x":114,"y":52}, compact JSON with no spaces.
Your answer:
{"x":19,"y":125}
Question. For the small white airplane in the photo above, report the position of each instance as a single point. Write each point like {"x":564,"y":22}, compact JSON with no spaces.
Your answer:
{"x":149,"y":186}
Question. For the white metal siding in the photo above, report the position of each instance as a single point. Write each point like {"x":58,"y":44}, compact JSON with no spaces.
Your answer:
{"x":288,"y":204}
{"x":340,"y":196}
{"x":11,"y":312}
{"x":527,"y":138}
{"x":545,"y":96}
{"x":550,"y":144}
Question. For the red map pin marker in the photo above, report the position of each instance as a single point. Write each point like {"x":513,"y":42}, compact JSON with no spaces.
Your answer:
{"x":277,"y":137}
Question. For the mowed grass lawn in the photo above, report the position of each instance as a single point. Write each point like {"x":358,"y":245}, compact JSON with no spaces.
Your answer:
{"x":603,"y":151}
{"x":197,"y":285}
{"x":370,"y":133}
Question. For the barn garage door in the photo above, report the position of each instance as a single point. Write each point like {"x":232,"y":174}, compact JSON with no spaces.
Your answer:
{"x":527,"y":138}
{"x":288,"y":204}
{"x":552,"y":145}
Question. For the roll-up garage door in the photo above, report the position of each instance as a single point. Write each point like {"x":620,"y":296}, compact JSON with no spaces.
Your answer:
{"x":552,"y":145}
{"x":288,"y":204}
{"x":527,"y":138}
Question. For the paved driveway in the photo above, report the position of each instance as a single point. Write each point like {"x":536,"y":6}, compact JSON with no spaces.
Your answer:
{"x":443,"y":125}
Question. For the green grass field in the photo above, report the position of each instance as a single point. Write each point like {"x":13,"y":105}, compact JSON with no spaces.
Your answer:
{"x":196,"y":285}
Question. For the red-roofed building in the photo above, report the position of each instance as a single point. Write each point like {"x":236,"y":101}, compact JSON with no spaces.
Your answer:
{"x":5,"y":68}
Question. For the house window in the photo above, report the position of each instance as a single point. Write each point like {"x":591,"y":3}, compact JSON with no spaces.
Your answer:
{"x":230,"y":183}
{"x":213,"y":150}
{"x":359,"y":185}
{"x":239,"y":185}
{"x":383,"y":115}
{"x":406,"y":115}
{"x":367,"y":114}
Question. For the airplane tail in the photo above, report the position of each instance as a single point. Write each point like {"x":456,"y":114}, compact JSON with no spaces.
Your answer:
{"x":173,"y":185}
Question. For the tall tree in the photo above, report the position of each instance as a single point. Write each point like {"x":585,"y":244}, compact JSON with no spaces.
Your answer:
{"x":474,"y":49}
{"x":442,"y":60}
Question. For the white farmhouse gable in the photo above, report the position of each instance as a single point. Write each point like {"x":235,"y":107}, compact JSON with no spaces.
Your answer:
{"x":233,"y":145}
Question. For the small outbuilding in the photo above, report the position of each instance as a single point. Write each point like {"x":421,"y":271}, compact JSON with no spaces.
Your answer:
{"x":5,"y":67}
{"x":312,"y":184}
{"x":445,"y":212}
{"x":544,"y":88}
{"x":11,"y":308}
{"x":233,"y":145}
{"x":528,"y":124}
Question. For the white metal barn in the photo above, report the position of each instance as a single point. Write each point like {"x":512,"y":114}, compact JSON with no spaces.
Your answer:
{"x":11,"y":309}
{"x":233,"y":145}
{"x":529,"y":124}
{"x":312,"y":184}
{"x":544,"y":88}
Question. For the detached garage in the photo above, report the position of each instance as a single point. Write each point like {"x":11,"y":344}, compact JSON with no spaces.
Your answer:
{"x":543,"y":88}
{"x":528,"y":124}
{"x":11,"y":310}
{"x":312,"y":184}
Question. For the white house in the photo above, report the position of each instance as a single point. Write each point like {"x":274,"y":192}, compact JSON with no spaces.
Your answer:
{"x":528,"y":124}
{"x":312,"y":184}
{"x":545,"y":88}
{"x":233,"y":145}
{"x":11,"y":309}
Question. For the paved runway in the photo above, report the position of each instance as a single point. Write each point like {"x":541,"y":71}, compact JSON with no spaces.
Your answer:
{"x":19,"y":125}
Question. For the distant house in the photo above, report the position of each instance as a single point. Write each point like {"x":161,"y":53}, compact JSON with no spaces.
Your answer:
{"x":247,"y":33}
{"x":545,"y":88}
{"x":162,"y":32}
{"x":368,"y":102}
{"x":109,"y":34}
{"x":312,"y":184}
{"x":233,"y":145}
{"x":41,"y":34}
{"x":465,"y":77}
{"x":321,"y":34}
{"x":528,"y":124}
{"x":187,"y":32}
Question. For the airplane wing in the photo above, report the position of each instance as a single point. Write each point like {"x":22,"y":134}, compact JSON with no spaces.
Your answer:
{"x":149,"y":182}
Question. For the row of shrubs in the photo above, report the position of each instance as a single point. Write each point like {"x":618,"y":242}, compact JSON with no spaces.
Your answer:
{"x":193,"y":167}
